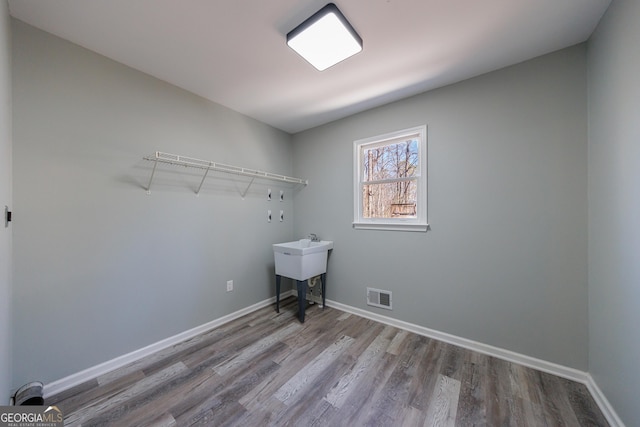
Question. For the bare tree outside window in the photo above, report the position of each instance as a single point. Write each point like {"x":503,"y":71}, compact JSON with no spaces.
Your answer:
{"x":390,"y":182}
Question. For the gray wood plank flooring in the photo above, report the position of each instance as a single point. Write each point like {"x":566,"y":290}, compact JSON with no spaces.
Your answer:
{"x":336,"y":369}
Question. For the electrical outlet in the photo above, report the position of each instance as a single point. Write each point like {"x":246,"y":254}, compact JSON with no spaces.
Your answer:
{"x":281,"y":196}
{"x":269,"y":215}
{"x":269,"y":194}
{"x":229,"y":285}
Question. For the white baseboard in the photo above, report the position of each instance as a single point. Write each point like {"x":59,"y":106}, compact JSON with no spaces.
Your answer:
{"x":508,"y":355}
{"x":108,"y":366}
{"x":606,"y":408}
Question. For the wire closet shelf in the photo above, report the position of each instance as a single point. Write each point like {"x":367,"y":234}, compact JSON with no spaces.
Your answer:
{"x":207,"y":165}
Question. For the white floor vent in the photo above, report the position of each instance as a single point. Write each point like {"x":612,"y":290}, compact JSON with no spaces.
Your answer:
{"x":379,"y":298}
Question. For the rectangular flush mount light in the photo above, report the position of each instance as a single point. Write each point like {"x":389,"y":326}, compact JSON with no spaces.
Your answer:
{"x":325,"y":39}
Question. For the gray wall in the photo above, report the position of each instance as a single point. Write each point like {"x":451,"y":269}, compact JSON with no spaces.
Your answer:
{"x":614,"y":208}
{"x":5,"y":200}
{"x":506,"y":260}
{"x":100,"y":267}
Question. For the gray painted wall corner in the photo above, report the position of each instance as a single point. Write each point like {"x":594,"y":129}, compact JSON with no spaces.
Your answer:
{"x":507,"y":254}
{"x":614,"y":208}
{"x":101,"y":268}
{"x":5,"y":200}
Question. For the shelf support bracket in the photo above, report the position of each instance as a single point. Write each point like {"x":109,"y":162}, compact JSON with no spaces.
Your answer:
{"x":203,"y":178}
{"x":247,"y":189}
{"x":153,"y":171}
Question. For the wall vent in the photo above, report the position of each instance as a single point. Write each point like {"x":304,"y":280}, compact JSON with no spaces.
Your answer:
{"x":379,"y":298}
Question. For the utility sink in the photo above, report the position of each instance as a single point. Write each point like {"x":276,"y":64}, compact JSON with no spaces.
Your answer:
{"x":301,"y":259}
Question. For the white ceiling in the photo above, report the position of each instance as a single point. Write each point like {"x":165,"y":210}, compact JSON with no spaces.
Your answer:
{"x":234,"y":52}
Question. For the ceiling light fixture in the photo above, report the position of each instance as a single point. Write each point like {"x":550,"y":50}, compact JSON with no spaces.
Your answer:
{"x":325,"y":39}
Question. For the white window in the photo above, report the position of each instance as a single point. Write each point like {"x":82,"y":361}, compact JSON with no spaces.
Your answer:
{"x":390,"y":181}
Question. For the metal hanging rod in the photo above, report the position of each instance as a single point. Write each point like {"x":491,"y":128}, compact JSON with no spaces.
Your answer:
{"x":174,"y":159}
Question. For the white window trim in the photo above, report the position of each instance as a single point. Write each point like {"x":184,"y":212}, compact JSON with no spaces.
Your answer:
{"x":395,"y":224}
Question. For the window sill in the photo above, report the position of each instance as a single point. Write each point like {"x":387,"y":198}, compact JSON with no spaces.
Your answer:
{"x":391,"y":226}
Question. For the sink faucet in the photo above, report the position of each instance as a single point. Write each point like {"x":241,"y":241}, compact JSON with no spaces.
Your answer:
{"x":313,"y":237}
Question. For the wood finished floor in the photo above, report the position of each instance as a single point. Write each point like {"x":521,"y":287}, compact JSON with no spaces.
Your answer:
{"x":336,"y":369}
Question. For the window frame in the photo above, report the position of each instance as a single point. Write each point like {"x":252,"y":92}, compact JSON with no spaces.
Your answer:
{"x":420,"y":222}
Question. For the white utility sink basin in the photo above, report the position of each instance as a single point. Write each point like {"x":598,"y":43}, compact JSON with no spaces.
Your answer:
{"x":301,"y":259}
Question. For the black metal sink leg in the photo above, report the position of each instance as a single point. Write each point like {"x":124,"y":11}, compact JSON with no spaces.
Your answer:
{"x":302,"y":299}
{"x":278,"y":293}
{"x":323,"y":279}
